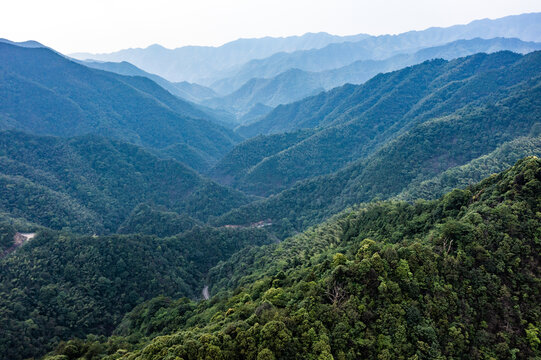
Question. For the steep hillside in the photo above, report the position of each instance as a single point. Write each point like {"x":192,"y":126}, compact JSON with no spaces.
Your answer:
{"x":421,"y":153}
{"x":356,"y":121}
{"x":147,"y":220}
{"x":293,"y":85}
{"x":452,"y":278}
{"x":197,"y":92}
{"x":290,"y":86}
{"x":248,"y":154}
{"x":91,"y":184}
{"x":69,"y":99}
{"x":59,"y":286}
{"x":474,"y":171}
{"x":332,"y":106}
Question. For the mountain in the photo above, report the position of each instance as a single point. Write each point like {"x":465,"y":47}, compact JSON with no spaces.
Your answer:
{"x":197,"y":63}
{"x":27,"y":44}
{"x":524,"y":27}
{"x":61,"y":286}
{"x":91,"y":184}
{"x":250,"y":153}
{"x":293,"y":85}
{"x":353,"y":122}
{"x":184,"y":90}
{"x":191,"y":92}
{"x":453,"y":278}
{"x":69,"y":99}
{"x":287,"y":87}
{"x":450,"y":130}
{"x":256,"y":113}
{"x":474,"y":171}
{"x":197,"y":92}
{"x":148,"y":220}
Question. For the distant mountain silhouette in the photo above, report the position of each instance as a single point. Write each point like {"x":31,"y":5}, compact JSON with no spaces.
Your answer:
{"x":187,"y":91}
{"x":194,"y":63}
{"x":524,"y":27}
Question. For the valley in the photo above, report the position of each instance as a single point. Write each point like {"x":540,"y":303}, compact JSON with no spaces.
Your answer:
{"x":300,"y":197}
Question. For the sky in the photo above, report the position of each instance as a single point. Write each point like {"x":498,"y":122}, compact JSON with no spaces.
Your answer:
{"x":100,"y":26}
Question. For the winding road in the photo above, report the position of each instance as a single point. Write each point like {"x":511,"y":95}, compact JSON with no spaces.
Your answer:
{"x":205,"y":292}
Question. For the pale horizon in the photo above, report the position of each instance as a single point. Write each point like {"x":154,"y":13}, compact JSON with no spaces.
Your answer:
{"x":104,"y":27}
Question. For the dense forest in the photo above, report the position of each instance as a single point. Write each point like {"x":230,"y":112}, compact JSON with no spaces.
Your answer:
{"x":454,"y":278}
{"x":90,"y":184}
{"x":60,"y":286}
{"x":354,"y":122}
{"x":69,"y":99}
{"x":396,"y":216}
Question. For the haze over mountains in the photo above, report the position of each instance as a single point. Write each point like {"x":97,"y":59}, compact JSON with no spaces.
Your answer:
{"x":314,"y":197}
{"x":297,"y":51}
{"x":70,"y":99}
{"x":296,"y":84}
{"x":194,"y":63}
{"x":296,"y":67}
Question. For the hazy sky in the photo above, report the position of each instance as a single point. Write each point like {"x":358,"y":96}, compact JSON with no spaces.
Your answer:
{"x":109,"y":25}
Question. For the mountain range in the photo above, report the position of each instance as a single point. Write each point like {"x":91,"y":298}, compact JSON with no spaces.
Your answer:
{"x":311,"y":197}
{"x":295,"y":84}
{"x":267,"y":57}
{"x":195,"y":63}
{"x":90,"y":184}
{"x":452,"y":277}
{"x":69,"y":99}
{"x":352,"y":123}
{"x":336,"y":55}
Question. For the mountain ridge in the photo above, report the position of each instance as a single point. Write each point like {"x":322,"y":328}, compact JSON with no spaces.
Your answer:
{"x":295,"y":84}
{"x":71,"y":99}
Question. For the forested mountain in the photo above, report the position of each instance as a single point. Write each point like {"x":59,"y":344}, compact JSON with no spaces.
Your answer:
{"x":293,"y":85}
{"x":393,"y":219}
{"x":69,"y":99}
{"x":353,"y":122}
{"x":335,"y":106}
{"x":184,"y":90}
{"x":197,"y":92}
{"x":197,"y":63}
{"x":256,"y":112}
{"x":91,"y":184}
{"x":426,"y":149}
{"x":452,"y":278}
{"x":524,"y":27}
{"x":250,"y":153}
{"x":148,"y":220}
{"x":61,"y":286}
{"x":287,"y":87}
{"x":476,"y":170}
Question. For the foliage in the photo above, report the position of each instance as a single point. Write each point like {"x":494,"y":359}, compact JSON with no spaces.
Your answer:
{"x":91,"y":184}
{"x":455,"y":278}
{"x":7,"y":232}
{"x":295,"y":84}
{"x":423,"y":152}
{"x":240,"y":161}
{"x":353,"y":122}
{"x":60,"y":286}
{"x":474,"y":171}
{"x":149,"y":221}
{"x":45,"y":93}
